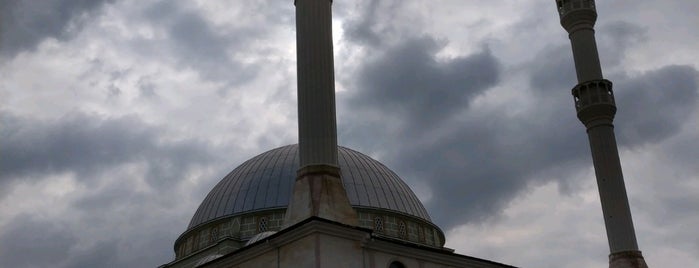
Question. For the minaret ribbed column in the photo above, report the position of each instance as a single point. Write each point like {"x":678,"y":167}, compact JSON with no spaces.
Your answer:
{"x":595,"y":106}
{"x":318,"y":190}
{"x":316,"y":83}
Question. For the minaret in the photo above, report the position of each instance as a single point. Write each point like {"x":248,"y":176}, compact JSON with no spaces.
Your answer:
{"x":594,"y":102}
{"x":318,"y":189}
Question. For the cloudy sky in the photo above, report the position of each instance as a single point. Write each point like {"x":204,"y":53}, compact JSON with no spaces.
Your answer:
{"x":118,"y":116}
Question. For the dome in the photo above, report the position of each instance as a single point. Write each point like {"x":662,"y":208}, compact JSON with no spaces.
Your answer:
{"x":251,"y":201}
{"x":266,"y":182}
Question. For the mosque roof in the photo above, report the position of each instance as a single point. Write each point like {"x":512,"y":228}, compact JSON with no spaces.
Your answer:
{"x":266,"y":182}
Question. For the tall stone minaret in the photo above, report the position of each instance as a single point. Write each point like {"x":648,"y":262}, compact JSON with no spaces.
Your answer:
{"x":594,"y":102}
{"x":318,"y":189}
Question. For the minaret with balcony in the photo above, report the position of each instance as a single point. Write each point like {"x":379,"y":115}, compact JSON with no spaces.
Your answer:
{"x":595,"y":106}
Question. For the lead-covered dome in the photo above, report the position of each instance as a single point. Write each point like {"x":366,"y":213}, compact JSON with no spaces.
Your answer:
{"x":266,"y":182}
{"x":252,"y":200}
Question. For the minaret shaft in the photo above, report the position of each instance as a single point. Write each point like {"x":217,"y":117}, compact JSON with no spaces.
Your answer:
{"x":318,"y":189}
{"x":316,"y":83}
{"x":612,"y":191}
{"x":585,"y":55}
{"x":596,"y":108}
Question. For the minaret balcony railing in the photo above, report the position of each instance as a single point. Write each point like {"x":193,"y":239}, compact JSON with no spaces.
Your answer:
{"x":567,"y":6}
{"x":594,"y":100}
{"x":592,"y":93}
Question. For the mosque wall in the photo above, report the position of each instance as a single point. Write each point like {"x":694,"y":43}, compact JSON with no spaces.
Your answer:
{"x":239,"y":228}
{"x":398,"y":226}
{"x":267,"y":259}
{"x":323,"y":244}
{"x":242,"y":228}
{"x":339,"y":250}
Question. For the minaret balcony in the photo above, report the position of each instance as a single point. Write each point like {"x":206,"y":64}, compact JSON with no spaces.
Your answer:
{"x":577,"y":14}
{"x":567,"y":6}
{"x":594,"y":100}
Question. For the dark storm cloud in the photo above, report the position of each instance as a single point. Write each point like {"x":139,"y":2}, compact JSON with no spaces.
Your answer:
{"x":556,"y":73}
{"x":476,"y":164}
{"x":201,"y":47}
{"x":90,"y":145}
{"x":407,"y":84}
{"x":409,"y":80}
{"x":655,"y":105}
{"x":476,"y":170}
{"x":30,"y":242}
{"x":555,"y":70}
{"x":406,"y":78}
{"x":24,"y":24}
{"x":119,"y":203}
{"x":651,"y":106}
{"x":110,"y":198}
{"x":193,"y":41}
{"x":100,"y":255}
{"x":215,"y":52}
{"x":99,"y":152}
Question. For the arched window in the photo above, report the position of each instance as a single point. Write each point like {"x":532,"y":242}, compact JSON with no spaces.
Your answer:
{"x":262,"y":224}
{"x":402,"y":230}
{"x":396,"y":264}
{"x":378,"y":224}
{"x":214,"y":234}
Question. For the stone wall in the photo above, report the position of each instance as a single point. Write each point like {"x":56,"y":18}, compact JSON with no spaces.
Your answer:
{"x":241,"y":228}
{"x":328,"y":244}
{"x":401,"y":227}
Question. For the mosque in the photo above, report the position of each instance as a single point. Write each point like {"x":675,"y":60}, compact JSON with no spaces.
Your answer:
{"x":241,"y":221}
{"x":317,"y":204}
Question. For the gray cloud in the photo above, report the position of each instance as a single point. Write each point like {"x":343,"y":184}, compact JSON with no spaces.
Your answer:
{"x":29,"y":242}
{"x":408,"y":84}
{"x":401,"y":98}
{"x":410,"y":80}
{"x":467,"y":168}
{"x":555,"y":74}
{"x":96,"y":150}
{"x":90,"y":145}
{"x":100,"y":255}
{"x":24,"y":24}
{"x":475,"y":165}
{"x":475,"y":171}
{"x":615,"y":38}
{"x":653,"y":106}
{"x":193,"y":41}
{"x":215,"y":52}
{"x":362,"y":30}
